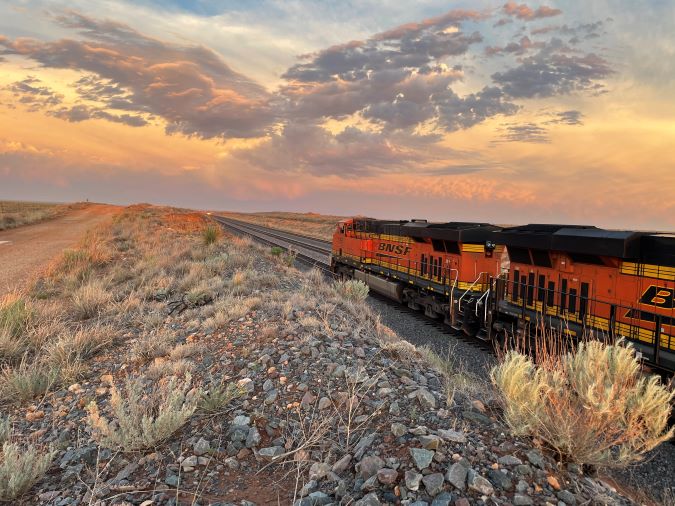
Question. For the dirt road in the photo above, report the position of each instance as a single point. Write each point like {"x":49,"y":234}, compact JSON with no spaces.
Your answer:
{"x":24,"y":251}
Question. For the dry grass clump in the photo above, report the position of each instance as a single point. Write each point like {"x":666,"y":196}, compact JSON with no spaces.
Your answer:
{"x":592,"y":405}
{"x":219,"y":396}
{"x":151,"y":346}
{"x":5,"y":429}
{"x":20,"y":468}
{"x":210,"y":234}
{"x":90,"y":299}
{"x":143,"y":419}
{"x":26,"y":381}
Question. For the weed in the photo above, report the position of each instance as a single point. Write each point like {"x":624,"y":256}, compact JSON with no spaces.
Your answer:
{"x":591,"y":405}
{"x":210,"y":234}
{"x":219,"y":396}
{"x":20,"y":468}
{"x":26,"y":381}
{"x":144,"y":419}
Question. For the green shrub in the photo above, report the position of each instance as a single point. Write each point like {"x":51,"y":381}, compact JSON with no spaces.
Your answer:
{"x":26,"y":381}
{"x":591,"y":405}
{"x":219,"y":396}
{"x":277,"y":250}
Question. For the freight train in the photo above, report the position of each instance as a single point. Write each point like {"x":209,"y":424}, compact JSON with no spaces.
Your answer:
{"x":497,"y":283}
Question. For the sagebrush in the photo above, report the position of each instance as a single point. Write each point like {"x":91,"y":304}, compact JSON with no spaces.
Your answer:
{"x":592,"y":405}
{"x":143,"y":419}
{"x":20,"y":468}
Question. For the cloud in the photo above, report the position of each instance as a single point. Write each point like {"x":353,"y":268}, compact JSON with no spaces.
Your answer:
{"x":79,"y":113}
{"x":566,"y":118}
{"x":522,"y":11}
{"x":516,"y":48}
{"x":551,"y":72}
{"x":29,"y":91}
{"x":523,"y":132}
{"x":189,"y":86}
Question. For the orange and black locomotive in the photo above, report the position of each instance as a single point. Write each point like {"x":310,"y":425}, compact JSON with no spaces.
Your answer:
{"x":492,"y":282}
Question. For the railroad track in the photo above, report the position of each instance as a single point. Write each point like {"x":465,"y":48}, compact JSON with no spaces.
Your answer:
{"x":307,"y":249}
{"x":316,"y":253}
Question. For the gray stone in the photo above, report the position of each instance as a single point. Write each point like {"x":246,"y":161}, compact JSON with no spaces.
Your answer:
{"x":324,"y":403}
{"x":370,"y":484}
{"x":308,"y":487}
{"x":524,"y":470}
{"x":319,"y":499}
{"x":522,"y":486}
{"x":398,"y":429}
{"x":535,"y":458}
{"x":387,"y":476}
{"x":370,"y":465}
{"x":522,"y":500}
{"x":342,"y":464}
{"x":363,"y":444}
{"x":394,"y":409}
{"x":268,"y":385}
{"x":270,"y":452}
{"x":412,"y":480}
{"x":253,"y":437}
{"x":480,"y":484}
{"x":241,"y":420}
{"x":419,"y":503}
{"x":426,"y":398}
{"x":456,"y":476}
{"x":567,"y":497}
{"x":368,"y":500}
{"x":201,"y":447}
{"x":271,"y":397}
{"x":509,"y":460}
{"x":318,"y":471}
{"x":433,"y":483}
{"x":476,"y":417}
{"x":171,"y":480}
{"x":442,"y":499}
{"x":430,"y":442}
{"x":452,"y":435}
{"x":499,"y":479}
{"x":421,"y":457}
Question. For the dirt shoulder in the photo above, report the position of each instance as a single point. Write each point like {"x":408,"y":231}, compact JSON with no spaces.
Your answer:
{"x":25,"y":250}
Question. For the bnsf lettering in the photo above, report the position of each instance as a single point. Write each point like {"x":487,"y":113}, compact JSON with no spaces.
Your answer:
{"x":659,"y":297}
{"x":397,"y":249}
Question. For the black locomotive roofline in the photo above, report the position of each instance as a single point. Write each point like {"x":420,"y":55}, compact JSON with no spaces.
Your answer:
{"x":453,"y":231}
{"x":579,"y":239}
{"x":644,"y":247}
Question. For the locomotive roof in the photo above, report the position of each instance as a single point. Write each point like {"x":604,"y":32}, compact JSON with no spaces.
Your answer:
{"x":658,"y":249}
{"x":581,"y":239}
{"x":458,"y":231}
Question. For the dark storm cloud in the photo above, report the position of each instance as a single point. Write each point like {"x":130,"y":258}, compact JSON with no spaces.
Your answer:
{"x":522,"y":11}
{"x":189,"y":86}
{"x":551,"y":72}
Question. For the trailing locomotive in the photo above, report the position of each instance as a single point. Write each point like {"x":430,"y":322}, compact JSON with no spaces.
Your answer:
{"x":493,"y":282}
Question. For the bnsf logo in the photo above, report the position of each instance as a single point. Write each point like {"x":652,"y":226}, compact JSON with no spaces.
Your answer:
{"x":397,"y":249}
{"x":659,"y":297}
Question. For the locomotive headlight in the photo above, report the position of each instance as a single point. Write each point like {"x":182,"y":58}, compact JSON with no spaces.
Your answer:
{"x":489,"y":245}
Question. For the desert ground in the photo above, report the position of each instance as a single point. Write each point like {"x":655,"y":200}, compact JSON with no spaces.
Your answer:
{"x":155,"y":359}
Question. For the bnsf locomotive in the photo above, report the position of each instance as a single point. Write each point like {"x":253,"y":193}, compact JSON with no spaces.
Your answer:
{"x":494,"y":282}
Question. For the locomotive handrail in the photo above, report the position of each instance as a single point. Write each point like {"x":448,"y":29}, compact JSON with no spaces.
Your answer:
{"x":459,"y":308}
{"x":484,"y":296}
{"x":452,"y":290}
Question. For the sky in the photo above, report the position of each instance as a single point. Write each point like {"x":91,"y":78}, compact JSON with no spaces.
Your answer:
{"x":554,"y":112}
